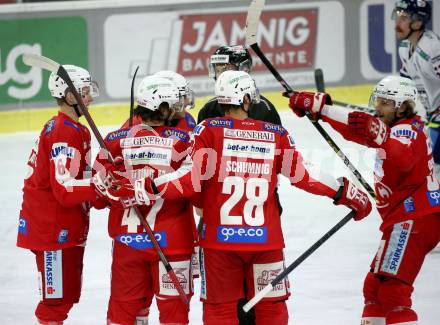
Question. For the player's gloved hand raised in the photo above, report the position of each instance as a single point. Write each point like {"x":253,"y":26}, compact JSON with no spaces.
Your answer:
{"x":303,"y":102}
{"x":129,"y":193}
{"x":373,"y":130}
{"x":353,"y":198}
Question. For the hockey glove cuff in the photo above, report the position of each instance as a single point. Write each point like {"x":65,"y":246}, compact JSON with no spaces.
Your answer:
{"x":101,"y":181}
{"x":128,"y":193}
{"x":353,"y":198}
{"x":303,"y":102}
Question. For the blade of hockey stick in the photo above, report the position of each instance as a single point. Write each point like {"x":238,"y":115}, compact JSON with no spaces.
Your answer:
{"x":130,"y":122}
{"x":251,"y":21}
{"x":260,"y":295}
{"x":320,"y":86}
{"x":35,"y":60}
{"x":48,"y":64}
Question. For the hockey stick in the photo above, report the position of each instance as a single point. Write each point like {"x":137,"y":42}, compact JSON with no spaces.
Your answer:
{"x":319,"y":81}
{"x":252,"y":20}
{"x":45,"y":63}
{"x":130,"y":121}
{"x":320,"y":86}
{"x":356,"y":107}
{"x":260,"y":295}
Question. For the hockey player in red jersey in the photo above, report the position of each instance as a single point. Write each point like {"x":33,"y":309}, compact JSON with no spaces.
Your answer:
{"x":150,"y":149}
{"x":185,"y":121}
{"x":182,"y":120}
{"x":236,"y":161}
{"x":54,"y":216}
{"x":408,"y":195}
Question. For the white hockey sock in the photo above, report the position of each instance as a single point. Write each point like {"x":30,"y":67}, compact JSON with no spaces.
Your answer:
{"x":141,"y":320}
{"x":437,"y":171}
{"x":373,"y":321}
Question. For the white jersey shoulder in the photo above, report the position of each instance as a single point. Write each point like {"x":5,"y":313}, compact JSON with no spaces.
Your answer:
{"x":423,"y":66}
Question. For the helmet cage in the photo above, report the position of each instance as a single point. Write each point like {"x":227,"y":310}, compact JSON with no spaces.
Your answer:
{"x":189,"y":98}
{"x":237,"y":57}
{"x":92,"y":89}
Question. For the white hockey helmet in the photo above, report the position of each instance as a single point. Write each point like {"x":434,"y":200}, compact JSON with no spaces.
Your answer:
{"x":153,"y":91}
{"x":81,"y":80}
{"x":395,"y":88}
{"x":181,"y":83}
{"x":231,"y":86}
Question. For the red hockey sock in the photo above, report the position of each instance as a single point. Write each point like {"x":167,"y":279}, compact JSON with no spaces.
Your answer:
{"x":124,"y":312}
{"x":142,"y":316}
{"x":51,"y":313}
{"x":225,"y":313}
{"x":373,"y":310}
{"x":43,"y":322}
{"x":271,"y":312}
{"x":404,"y":316}
{"x":172,"y":311}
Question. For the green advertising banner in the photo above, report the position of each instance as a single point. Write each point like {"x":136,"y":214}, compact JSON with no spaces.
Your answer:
{"x":63,"y":39}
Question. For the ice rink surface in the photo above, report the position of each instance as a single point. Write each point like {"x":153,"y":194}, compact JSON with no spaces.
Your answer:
{"x":326,"y":288}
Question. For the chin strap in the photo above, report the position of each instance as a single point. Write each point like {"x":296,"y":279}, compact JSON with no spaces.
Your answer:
{"x":411,"y":31}
{"x":396,"y":118}
{"x":75,"y":107}
{"x":170,"y":116}
{"x":246,"y":111}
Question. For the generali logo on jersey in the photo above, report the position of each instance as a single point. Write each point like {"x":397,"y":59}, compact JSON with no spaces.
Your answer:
{"x":287,"y":38}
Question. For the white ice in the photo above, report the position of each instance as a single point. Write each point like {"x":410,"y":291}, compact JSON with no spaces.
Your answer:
{"x":326,"y":288}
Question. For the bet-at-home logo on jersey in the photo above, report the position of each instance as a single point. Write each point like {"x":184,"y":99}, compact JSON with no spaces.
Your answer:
{"x":47,"y":37}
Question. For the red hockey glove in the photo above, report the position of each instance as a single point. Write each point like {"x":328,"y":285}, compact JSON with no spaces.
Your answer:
{"x":369,"y":127}
{"x":128,"y":193}
{"x":116,"y":168}
{"x":102,"y":179}
{"x":353,"y":198}
{"x":303,"y":102}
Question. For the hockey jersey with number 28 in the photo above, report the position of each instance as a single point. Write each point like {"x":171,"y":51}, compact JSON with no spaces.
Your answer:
{"x":235,"y":168}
